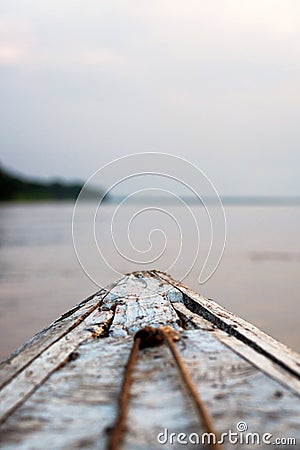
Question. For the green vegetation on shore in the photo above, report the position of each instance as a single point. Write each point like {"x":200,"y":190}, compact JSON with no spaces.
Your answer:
{"x":16,"y":188}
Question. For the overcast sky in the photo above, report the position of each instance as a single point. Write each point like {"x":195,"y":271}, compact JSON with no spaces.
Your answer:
{"x":216,"y":82}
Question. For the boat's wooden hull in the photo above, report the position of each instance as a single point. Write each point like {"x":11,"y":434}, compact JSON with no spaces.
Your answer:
{"x":60,"y":389}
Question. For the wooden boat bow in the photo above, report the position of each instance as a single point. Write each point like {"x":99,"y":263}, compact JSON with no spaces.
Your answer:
{"x":61,"y":389}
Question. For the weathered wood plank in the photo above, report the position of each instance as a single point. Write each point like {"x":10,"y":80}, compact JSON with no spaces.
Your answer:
{"x":141,"y":301}
{"x":257,"y":359}
{"x":14,"y":393}
{"x":237,"y":327}
{"x":75,"y":405}
{"x":32,"y":349}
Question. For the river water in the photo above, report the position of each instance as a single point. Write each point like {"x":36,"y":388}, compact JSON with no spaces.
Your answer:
{"x":40,"y":276}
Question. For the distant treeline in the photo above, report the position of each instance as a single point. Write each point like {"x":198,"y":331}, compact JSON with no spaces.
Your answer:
{"x":13,"y":187}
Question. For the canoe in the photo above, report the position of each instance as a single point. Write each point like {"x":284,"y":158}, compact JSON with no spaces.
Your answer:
{"x":65,"y":388}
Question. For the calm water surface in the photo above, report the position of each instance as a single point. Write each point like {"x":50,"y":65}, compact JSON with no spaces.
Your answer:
{"x":40,"y":276}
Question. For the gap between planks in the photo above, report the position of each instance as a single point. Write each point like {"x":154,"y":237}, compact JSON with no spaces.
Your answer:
{"x":269,"y":355}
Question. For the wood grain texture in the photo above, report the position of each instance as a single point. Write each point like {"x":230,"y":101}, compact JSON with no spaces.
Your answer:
{"x":66,"y":396}
{"x":44,"y":339}
{"x":73,"y":411}
{"x":237,"y":327}
{"x":141,"y":301}
{"x":259,"y":360}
